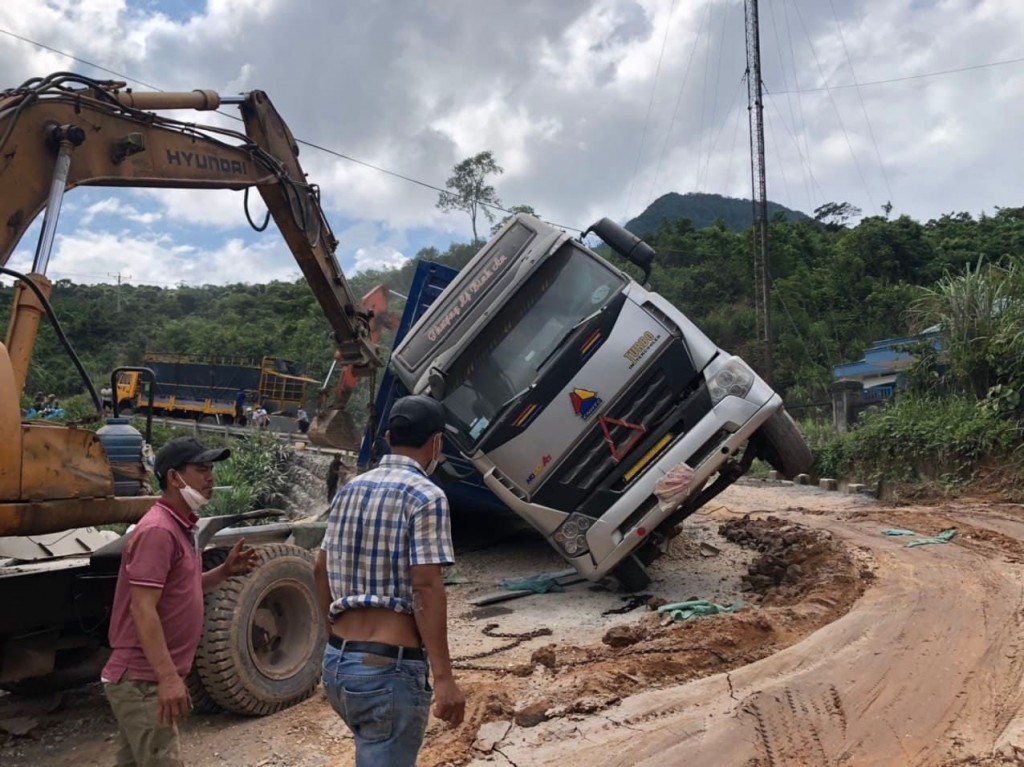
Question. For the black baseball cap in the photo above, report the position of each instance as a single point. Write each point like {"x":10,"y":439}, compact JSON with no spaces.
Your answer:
{"x":181,"y":451}
{"x":416,"y":415}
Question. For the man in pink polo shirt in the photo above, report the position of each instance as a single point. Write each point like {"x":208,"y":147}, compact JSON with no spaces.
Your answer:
{"x":157,"y":617}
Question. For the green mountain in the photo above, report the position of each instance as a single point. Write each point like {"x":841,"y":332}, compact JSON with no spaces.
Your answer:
{"x":702,"y":210}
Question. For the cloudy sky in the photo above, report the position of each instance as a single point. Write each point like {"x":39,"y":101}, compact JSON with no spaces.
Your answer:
{"x":593,"y":107}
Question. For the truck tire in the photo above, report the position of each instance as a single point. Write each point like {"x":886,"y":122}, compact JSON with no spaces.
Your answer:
{"x":780,"y":443}
{"x":631,"y":574}
{"x":202,"y":702}
{"x":263,"y":637}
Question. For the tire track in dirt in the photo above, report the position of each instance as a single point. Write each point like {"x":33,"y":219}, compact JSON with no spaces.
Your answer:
{"x":926,"y":668}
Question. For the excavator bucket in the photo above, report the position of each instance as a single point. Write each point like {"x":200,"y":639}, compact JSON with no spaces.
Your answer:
{"x":336,"y":429}
{"x":333,"y":425}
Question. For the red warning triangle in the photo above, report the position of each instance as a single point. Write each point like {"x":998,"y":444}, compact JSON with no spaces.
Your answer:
{"x":634,"y":434}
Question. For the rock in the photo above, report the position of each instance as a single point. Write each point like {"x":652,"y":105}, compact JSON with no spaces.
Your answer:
{"x":532,"y":715}
{"x":545,"y":656}
{"x":623,"y":636}
{"x":491,"y":734}
{"x":802,"y":479}
{"x":854,"y":488}
{"x":19,"y":726}
{"x":828,"y":484}
{"x":707,"y":550}
{"x":655,"y":602}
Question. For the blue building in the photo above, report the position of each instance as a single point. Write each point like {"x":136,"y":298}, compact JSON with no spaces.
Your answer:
{"x":881,"y":371}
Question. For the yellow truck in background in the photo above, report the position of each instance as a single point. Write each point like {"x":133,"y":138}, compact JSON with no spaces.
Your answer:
{"x":214,"y":388}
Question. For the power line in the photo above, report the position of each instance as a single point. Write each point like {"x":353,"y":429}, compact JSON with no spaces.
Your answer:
{"x":16,"y":36}
{"x":800,"y":107}
{"x":919,"y":76}
{"x":722,"y":127}
{"x":703,"y":105}
{"x":835,"y":107}
{"x":860,"y":97}
{"x":785,"y":85}
{"x":804,"y":160}
{"x":679,"y":97}
{"x":714,"y":103}
{"x":650,"y":105}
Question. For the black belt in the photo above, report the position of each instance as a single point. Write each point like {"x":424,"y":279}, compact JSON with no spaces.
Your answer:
{"x":378,"y":648}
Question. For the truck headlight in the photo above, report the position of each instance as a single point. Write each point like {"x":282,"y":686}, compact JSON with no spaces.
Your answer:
{"x":733,"y":379}
{"x":571,"y":535}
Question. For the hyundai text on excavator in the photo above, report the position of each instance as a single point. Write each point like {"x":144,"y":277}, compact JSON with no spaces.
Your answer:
{"x":574,"y":396}
{"x":262,"y":638}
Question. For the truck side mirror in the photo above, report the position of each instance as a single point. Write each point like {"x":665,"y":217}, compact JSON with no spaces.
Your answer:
{"x":436,"y":384}
{"x":625,"y":243}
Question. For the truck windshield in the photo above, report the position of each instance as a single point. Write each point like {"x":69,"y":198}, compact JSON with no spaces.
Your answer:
{"x":507,"y":355}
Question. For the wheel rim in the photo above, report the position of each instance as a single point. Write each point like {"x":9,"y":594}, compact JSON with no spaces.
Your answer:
{"x":281,"y":639}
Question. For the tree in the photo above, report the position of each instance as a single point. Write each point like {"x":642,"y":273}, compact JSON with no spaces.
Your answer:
{"x":470,"y":190}
{"x":834,"y":215}
{"x":513,"y":211}
{"x":980,"y":315}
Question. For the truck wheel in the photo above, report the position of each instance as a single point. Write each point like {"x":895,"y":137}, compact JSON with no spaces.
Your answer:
{"x":780,"y":443}
{"x":202,"y":702}
{"x":263,"y":637}
{"x":631,"y":574}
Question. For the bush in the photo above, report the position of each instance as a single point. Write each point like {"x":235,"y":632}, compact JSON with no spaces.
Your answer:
{"x":259,"y":474}
{"x":919,"y":438}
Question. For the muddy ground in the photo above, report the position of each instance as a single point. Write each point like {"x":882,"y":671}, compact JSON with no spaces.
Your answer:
{"x":850,"y":648}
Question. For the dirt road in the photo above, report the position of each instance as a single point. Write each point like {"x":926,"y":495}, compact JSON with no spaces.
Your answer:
{"x":852,"y":649}
{"x":926,"y":669}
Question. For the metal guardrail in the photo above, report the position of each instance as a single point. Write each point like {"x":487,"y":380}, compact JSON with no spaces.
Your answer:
{"x":238,"y":432}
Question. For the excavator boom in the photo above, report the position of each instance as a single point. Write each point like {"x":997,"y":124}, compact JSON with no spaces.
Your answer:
{"x":117,"y":142}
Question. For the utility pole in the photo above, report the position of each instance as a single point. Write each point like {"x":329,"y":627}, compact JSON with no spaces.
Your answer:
{"x":755,"y":110}
{"x":118,"y":293}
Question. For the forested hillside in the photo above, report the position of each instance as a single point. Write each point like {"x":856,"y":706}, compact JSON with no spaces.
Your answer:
{"x":835,"y":290}
{"x":703,"y":210}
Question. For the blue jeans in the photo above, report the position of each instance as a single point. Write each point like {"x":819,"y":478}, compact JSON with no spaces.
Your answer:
{"x":385,"y":702}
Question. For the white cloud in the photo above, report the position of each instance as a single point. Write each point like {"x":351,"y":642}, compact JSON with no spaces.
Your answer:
{"x":217,"y":208}
{"x":378,"y":258}
{"x":117,"y":208}
{"x":99,"y":256}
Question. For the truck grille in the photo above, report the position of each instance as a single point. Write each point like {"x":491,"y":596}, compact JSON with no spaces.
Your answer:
{"x":670,"y":397}
{"x":647,"y":407}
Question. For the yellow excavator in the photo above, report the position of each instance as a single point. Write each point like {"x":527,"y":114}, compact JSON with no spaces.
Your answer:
{"x":58,"y":481}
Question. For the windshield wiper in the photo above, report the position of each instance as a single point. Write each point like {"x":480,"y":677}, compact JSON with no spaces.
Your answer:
{"x":568,"y":334}
{"x":510,"y":402}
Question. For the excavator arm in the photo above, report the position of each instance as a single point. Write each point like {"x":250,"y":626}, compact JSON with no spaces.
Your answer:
{"x":334,"y":424}
{"x":65,"y":130}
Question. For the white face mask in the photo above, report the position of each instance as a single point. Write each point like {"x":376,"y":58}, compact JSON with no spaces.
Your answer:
{"x":436,"y":460}
{"x":193,"y":497}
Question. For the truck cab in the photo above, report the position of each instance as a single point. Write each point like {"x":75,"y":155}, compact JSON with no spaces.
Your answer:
{"x":573,"y":390}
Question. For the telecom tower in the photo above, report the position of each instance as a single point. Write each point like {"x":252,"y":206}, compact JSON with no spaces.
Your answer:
{"x":762,"y":277}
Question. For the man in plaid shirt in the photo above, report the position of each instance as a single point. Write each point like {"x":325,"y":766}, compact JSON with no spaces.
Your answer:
{"x":379,"y":582}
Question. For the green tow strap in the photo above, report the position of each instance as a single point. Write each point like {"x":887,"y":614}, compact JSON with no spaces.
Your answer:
{"x":944,"y":537}
{"x":697,"y":608}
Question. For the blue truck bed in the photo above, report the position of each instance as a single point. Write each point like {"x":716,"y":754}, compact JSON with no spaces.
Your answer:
{"x":461,"y":482}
